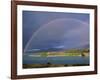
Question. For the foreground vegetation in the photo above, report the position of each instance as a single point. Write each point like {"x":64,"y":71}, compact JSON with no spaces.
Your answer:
{"x":50,"y":65}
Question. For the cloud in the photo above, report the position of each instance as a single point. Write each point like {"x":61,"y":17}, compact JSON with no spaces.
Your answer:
{"x":68,"y":32}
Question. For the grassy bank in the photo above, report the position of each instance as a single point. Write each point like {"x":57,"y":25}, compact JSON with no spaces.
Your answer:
{"x":72,"y":52}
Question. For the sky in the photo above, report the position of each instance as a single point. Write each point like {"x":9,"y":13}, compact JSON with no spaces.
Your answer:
{"x":42,"y":30}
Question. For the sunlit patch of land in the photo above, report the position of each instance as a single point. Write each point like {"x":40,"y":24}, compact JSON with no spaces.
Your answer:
{"x":72,"y":52}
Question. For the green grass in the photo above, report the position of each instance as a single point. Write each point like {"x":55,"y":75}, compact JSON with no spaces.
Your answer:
{"x":72,"y":52}
{"x":44,"y":54}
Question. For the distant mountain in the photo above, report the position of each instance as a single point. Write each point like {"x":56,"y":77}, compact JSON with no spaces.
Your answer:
{"x":44,"y":49}
{"x":59,"y":48}
{"x":85,"y":46}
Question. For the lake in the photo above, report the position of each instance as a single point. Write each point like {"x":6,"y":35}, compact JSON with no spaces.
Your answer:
{"x":55,"y":60}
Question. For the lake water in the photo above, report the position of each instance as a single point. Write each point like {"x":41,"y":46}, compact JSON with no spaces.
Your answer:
{"x":55,"y":60}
